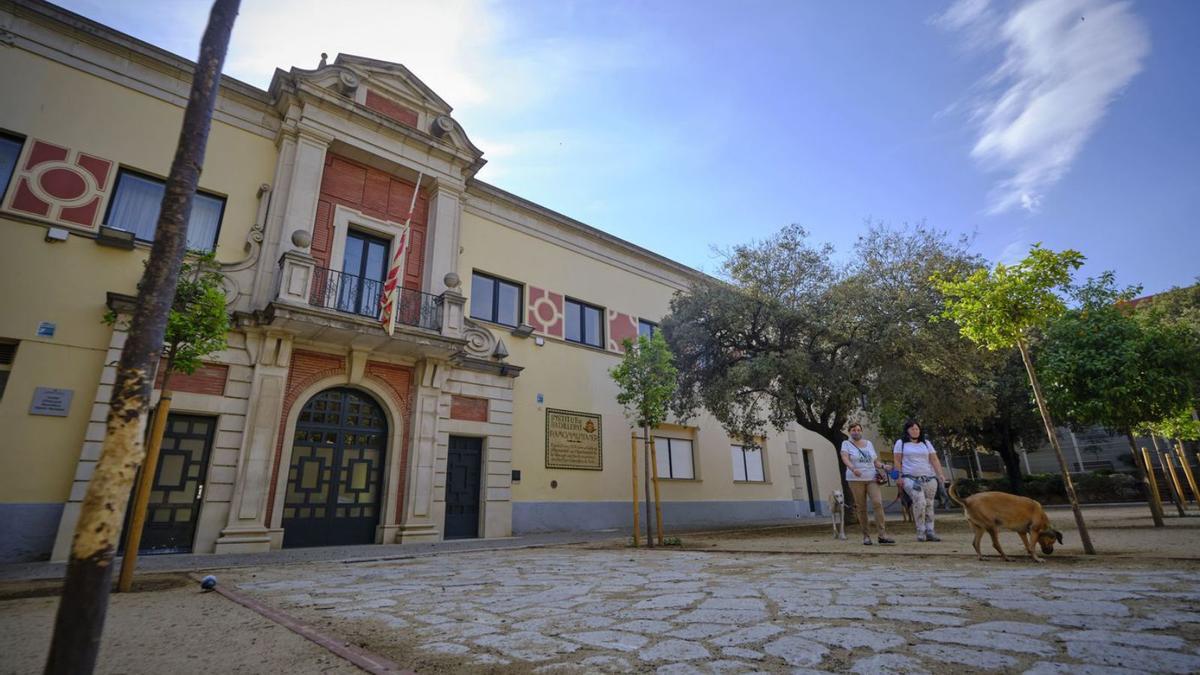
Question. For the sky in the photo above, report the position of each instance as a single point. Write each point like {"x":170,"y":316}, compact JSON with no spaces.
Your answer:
{"x":685,"y":126}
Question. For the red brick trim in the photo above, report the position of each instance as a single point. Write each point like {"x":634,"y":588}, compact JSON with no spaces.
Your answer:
{"x":468,"y":408}
{"x":391,"y":109}
{"x":400,"y":382}
{"x":209,"y":379}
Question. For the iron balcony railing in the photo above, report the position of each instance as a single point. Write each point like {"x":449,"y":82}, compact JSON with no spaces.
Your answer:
{"x":360,"y":296}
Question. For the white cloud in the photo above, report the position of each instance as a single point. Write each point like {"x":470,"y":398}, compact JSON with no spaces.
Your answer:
{"x":1063,"y":64}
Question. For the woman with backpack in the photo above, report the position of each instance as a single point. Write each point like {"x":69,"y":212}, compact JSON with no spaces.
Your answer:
{"x":920,"y":475}
{"x":862,"y":472}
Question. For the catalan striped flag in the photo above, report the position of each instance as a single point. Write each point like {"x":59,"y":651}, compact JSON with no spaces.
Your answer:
{"x":390,"y":297}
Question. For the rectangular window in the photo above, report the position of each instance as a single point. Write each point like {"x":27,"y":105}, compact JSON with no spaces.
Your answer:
{"x":138,"y":198}
{"x":8,"y":354}
{"x":495,"y":300}
{"x":646,"y":328}
{"x":10,"y":149}
{"x":674,"y":457}
{"x":584,"y":324}
{"x":747,"y":464}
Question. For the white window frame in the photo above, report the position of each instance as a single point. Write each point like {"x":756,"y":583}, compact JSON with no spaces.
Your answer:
{"x":662,"y":448}
{"x":739,"y":452}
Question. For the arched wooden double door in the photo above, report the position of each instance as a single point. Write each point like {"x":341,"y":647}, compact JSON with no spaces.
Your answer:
{"x":335,"y":480}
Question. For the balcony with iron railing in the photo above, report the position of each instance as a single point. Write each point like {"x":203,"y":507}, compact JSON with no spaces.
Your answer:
{"x":360,"y":296}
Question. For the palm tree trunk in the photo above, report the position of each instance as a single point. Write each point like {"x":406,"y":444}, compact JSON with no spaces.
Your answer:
{"x":79,"y":623}
{"x":1062,"y":462}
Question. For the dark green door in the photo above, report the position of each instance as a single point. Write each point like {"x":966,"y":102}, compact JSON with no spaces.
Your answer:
{"x":335,"y":480}
{"x":178,"y":487}
{"x":463,"y":468}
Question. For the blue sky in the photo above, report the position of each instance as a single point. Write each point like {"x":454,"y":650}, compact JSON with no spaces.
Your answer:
{"x":686,"y":125}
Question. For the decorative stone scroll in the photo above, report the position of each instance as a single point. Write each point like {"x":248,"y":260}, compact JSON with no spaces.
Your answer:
{"x":573,"y":440}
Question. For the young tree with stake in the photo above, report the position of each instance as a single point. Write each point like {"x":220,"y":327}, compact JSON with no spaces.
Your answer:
{"x":999,"y":308}
{"x":79,"y":624}
{"x":196,"y":328}
{"x":647,"y":379}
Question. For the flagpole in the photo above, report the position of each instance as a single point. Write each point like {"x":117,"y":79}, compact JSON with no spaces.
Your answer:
{"x":395,"y":279}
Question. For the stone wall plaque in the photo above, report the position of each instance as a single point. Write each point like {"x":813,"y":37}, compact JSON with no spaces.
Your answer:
{"x":573,"y":440}
{"x":51,"y":402}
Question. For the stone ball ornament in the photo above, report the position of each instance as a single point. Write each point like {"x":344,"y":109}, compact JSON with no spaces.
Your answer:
{"x":451,"y":280}
{"x":301,"y":238}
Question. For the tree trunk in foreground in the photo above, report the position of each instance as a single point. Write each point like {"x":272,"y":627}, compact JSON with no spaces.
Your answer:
{"x":1062,"y":462}
{"x":80,"y":621}
{"x":646,"y":455}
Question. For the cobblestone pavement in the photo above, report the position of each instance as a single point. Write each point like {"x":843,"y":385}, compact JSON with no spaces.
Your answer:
{"x":552,"y":610}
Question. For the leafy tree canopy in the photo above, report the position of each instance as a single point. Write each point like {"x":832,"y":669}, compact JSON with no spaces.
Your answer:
{"x":789,"y":334}
{"x":198,"y":323}
{"x":1102,"y":366}
{"x":647,"y":378}
{"x":998,"y":308}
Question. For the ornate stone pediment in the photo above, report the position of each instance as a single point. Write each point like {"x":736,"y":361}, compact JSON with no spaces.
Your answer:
{"x":390,"y":91}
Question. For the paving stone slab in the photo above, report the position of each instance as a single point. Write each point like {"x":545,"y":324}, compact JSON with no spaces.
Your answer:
{"x":1125,"y":638}
{"x":851,"y":637}
{"x":978,"y":659}
{"x":920,"y":616}
{"x":751,"y":604}
{"x":747,"y":635}
{"x":888,"y":664}
{"x":827,"y":612}
{"x":527,"y":645}
{"x":989,"y":639}
{"x":674,"y":650}
{"x":610,"y":639}
{"x":1134,"y":657}
{"x":743,"y":653}
{"x":797,"y":651}
{"x":1048,"y":668}
{"x":607,"y":663}
{"x":646,"y":626}
{"x":1017,"y":627}
{"x":698,"y":631}
{"x":731,"y":616}
{"x":671,"y":601}
{"x":1059,"y":607}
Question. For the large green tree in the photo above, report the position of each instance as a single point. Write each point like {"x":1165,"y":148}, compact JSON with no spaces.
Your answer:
{"x":1103,"y":366}
{"x":791,"y":335}
{"x":1001,"y":308}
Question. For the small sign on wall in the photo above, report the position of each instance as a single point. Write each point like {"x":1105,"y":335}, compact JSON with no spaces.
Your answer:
{"x":51,"y":402}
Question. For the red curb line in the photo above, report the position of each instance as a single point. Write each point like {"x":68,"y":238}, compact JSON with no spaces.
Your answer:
{"x":372,"y":663}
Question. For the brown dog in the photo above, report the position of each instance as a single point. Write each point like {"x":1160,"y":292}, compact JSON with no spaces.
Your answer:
{"x":990,"y":511}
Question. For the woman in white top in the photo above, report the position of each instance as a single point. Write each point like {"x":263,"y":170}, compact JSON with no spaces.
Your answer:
{"x":920,"y":472}
{"x":862,"y":462}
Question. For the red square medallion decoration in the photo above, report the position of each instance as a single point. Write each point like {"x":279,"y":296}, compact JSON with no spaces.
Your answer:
{"x":61,"y":185}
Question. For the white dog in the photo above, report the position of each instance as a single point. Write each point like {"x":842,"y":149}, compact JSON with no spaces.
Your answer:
{"x":837,"y":508}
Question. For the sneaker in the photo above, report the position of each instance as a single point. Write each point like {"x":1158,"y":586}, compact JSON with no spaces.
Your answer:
{"x":921,"y":537}
{"x":885,"y":540}
{"x":866,"y":541}
{"x":930,"y":536}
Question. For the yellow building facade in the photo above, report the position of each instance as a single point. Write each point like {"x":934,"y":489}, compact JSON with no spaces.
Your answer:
{"x":488,"y":412}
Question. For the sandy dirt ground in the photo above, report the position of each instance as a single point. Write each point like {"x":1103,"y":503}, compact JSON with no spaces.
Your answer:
{"x":176,"y":629}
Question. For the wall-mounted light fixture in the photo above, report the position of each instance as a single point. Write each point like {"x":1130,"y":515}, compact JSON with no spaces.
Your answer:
{"x":110,"y":236}
{"x":523,"y":330}
{"x":57,"y":234}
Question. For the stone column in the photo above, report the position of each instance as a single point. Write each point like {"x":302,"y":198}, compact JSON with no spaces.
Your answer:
{"x":423,"y":515}
{"x":299,"y":169}
{"x":246,"y":531}
{"x":441,"y":248}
